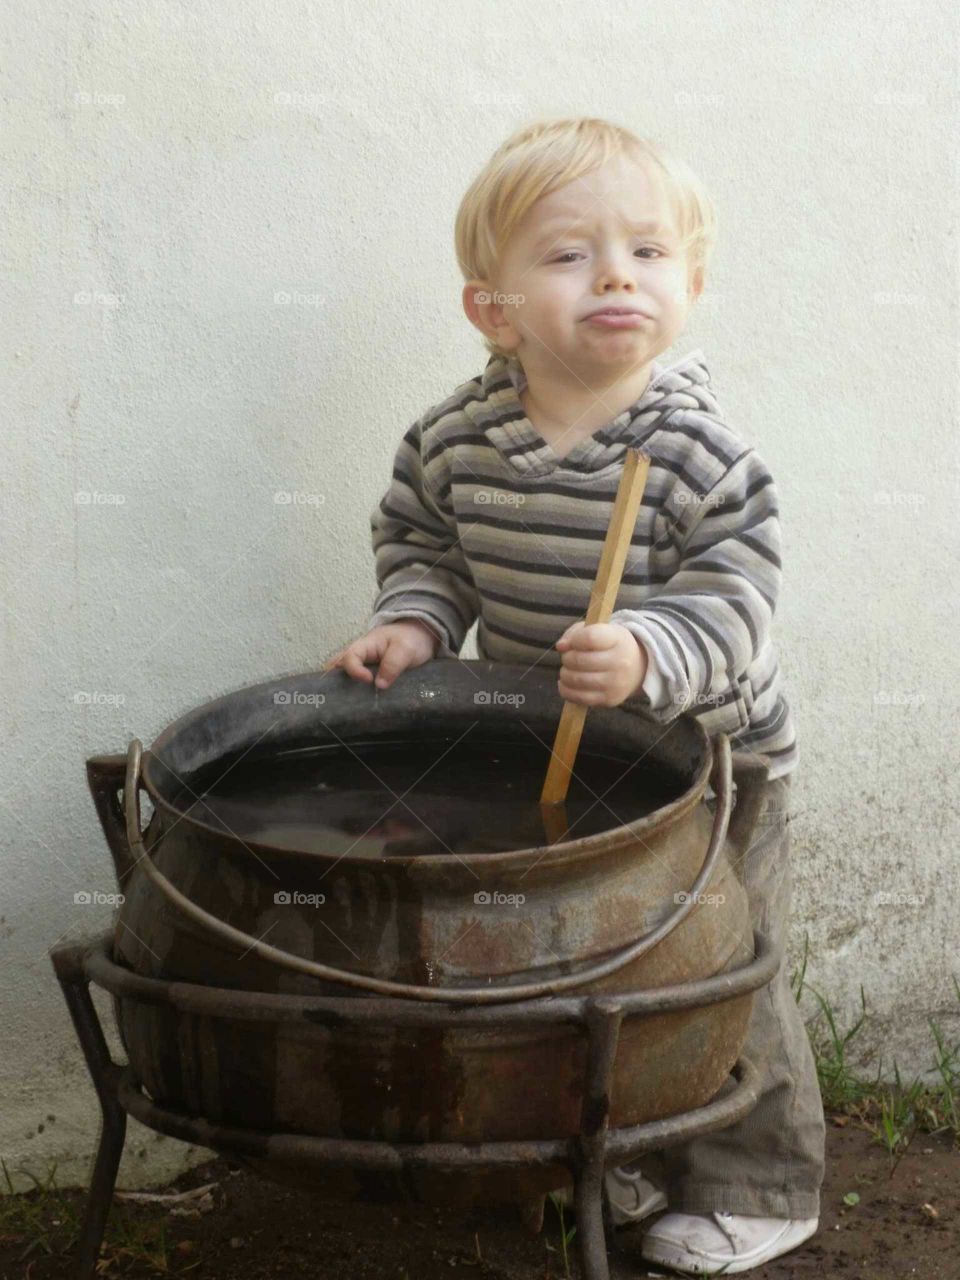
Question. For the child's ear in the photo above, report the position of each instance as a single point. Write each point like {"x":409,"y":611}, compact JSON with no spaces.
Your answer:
{"x":695,"y":288}
{"x":487,"y":315}
{"x":472,"y":297}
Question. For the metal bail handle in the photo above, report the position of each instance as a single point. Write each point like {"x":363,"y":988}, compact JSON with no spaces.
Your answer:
{"x":722,"y":777}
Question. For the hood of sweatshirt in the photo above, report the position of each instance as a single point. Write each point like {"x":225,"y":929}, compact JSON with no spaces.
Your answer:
{"x":685,"y":384}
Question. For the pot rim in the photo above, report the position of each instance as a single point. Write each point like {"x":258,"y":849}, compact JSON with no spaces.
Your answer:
{"x":562,"y":851}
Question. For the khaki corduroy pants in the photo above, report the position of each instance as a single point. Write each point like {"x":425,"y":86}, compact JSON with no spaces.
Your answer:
{"x":770,"y":1163}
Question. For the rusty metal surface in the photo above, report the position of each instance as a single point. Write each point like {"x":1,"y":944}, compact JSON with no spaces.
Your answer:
{"x":328,"y":1068}
{"x":93,"y":960}
{"x":534,"y":1165}
{"x":477,"y":942}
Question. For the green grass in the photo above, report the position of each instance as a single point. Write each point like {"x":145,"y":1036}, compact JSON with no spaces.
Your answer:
{"x":33,"y":1218}
{"x":894,"y":1113}
{"x":48,"y":1220}
{"x":566,"y":1233}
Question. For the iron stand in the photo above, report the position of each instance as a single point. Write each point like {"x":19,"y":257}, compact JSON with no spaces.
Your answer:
{"x":587,"y":1155}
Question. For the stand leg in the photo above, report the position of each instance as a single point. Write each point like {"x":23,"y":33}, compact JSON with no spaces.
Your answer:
{"x":603,"y":1027}
{"x":591,"y":1237}
{"x":76,"y":991}
{"x":100,"y":1195}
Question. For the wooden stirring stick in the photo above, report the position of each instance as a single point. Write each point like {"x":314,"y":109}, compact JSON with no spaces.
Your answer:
{"x":602,"y":597}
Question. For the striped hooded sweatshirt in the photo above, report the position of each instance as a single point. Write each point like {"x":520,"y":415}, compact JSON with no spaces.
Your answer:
{"x":482,"y":521}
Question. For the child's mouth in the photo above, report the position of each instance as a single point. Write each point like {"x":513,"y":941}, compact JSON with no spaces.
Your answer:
{"x":617,"y":319}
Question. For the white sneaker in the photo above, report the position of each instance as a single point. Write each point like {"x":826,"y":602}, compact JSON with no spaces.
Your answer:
{"x":722,"y":1243}
{"x":632,"y":1197}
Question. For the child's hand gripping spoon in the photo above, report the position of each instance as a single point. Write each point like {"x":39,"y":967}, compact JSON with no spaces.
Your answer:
{"x":602,"y":598}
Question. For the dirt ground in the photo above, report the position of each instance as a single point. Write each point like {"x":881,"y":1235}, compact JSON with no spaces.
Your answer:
{"x":904,"y":1225}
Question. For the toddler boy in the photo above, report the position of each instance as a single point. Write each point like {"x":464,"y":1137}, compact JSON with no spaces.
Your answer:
{"x":584,"y":248}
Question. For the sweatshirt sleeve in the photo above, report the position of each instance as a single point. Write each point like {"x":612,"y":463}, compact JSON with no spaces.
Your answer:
{"x":420,"y":567}
{"x":710,"y":620}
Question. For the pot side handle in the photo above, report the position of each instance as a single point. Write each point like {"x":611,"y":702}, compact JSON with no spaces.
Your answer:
{"x":750,"y":774}
{"x":105,"y":778}
{"x":226,"y":934}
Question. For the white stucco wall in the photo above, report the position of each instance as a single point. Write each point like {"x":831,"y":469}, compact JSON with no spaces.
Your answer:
{"x":171,"y":169}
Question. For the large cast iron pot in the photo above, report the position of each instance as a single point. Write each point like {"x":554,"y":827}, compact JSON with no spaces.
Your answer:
{"x":410,"y":926}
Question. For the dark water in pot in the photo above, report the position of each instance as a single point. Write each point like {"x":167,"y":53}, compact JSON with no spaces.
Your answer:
{"x":408,"y":797}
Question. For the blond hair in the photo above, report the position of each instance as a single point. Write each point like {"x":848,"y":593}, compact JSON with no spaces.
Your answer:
{"x":538,"y":158}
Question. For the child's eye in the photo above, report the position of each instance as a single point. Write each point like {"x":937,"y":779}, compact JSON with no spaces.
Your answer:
{"x":571,"y":253}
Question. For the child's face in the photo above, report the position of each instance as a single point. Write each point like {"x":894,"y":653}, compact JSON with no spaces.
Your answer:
{"x":576,"y":251}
